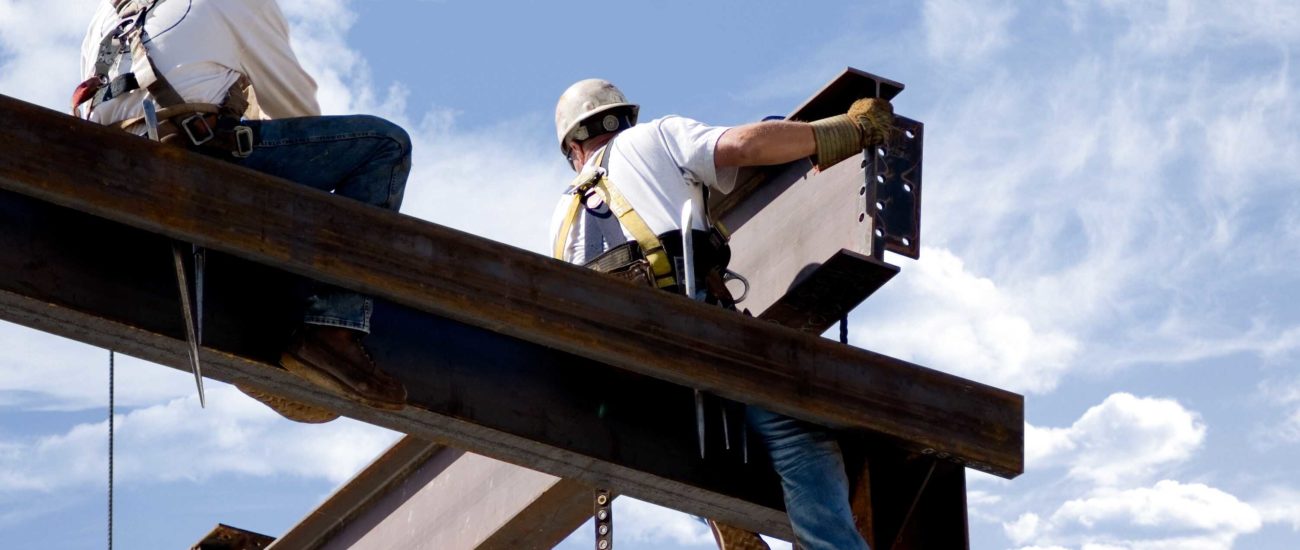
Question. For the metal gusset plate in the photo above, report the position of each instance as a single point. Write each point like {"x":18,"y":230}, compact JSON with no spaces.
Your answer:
{"x":893,"y":188}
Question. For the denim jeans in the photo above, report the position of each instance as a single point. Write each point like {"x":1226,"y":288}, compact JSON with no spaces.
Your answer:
{"x":360,"y":157}
{"x":811,"y":467}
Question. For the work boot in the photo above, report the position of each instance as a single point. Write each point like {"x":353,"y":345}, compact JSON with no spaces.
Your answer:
{"x":293,"y":410}
{"x":333,"y":358}
{"x":730,"y":537}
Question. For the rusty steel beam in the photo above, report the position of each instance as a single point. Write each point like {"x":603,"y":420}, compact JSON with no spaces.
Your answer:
{"x":108,"y":285}
{"x":481,"y":283}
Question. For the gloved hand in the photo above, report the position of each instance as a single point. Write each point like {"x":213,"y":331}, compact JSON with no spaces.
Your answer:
{"x":866,"y":124}
{"x":875,"y":117}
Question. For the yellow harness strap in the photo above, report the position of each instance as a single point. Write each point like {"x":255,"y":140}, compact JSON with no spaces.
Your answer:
{"x":651,"y":247}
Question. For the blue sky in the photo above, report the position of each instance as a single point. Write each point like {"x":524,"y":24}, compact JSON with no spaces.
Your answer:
{"x":1111,"y":222}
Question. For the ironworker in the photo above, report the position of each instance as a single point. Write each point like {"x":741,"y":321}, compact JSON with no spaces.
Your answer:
{"x":228,"y":85}
{"x":621,"y":216}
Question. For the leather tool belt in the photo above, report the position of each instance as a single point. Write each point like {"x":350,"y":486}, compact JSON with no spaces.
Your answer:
{"x":712,"y":255}
{"x":216,"y":135}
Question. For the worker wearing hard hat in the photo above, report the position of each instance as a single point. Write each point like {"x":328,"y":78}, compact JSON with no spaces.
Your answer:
{"x":624,"y":213}
{"x":225,"y":82}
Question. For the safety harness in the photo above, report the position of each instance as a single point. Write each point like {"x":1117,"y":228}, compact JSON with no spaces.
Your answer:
{"x":650,"y":254}
{"x":205,"y":127}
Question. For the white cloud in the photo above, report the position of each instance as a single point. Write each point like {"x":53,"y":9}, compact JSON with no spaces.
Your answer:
{"x":40,"y":43}
{"x":40,"y":371}
{"x":641,"y":521}
{"x":178,"y":441}
{"x":1170,"y":27}
{"x":1280,"y":505}
{"x":965,"y":324}
{"x":1168,"y":515}
{"x":1191,"y":506}
{"x":1023,"y":529}
{"x":1125,"y":438}
{"x":1197,"y":515}
{"x":1283,"y":394}
{"x":966,"y":32}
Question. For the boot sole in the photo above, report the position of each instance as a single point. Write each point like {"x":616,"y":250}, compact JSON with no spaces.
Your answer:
{"x":328,"y":381}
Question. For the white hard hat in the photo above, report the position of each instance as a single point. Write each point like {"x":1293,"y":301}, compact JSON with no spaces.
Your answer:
{"x":582,"y":102}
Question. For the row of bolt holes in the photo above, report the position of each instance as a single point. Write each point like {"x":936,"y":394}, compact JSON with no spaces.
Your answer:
{"x":862,"y":191}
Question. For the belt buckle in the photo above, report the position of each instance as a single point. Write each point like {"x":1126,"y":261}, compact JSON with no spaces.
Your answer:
{"x":189,"y":130}
{"x":243,"y":142}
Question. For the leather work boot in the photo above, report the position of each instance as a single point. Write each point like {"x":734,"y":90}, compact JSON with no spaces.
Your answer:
{"x":333,"y":358}
{"x":730,"y":537}
{"x":288,"y":408}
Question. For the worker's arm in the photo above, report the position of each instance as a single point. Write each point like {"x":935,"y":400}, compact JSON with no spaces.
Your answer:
{"x":764,"y":143}
{"x":831,"y":140}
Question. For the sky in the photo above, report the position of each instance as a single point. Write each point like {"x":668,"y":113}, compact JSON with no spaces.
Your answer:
{"x":1110,"y":226}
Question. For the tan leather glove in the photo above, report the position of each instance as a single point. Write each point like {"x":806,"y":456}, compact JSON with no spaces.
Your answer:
{"x":866,"y":124}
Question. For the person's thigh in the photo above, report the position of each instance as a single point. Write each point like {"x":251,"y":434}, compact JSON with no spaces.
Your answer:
{"x":360,"y":156}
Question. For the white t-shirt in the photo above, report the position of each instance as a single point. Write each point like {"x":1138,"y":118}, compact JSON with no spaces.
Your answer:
{"x":202,"y":46}
{"x":657,"y":166}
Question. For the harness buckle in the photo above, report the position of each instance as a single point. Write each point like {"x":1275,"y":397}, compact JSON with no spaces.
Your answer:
{"x":243,"y":142}
{"x":207,"y":132}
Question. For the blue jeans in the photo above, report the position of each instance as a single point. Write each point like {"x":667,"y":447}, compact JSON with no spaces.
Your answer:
{"x":811,"y":466}
{"x":360,"y":157}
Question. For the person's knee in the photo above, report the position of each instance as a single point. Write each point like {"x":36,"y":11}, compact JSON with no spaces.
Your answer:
{"x":401,"y":140}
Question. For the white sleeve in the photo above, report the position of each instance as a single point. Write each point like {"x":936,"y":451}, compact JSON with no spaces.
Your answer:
{"x":691,"y":144}
{"x":282,"y":87}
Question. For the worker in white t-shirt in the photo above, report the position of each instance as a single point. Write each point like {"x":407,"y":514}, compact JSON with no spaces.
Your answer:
{"x":225,"y":82}
{"x":622,"y":215}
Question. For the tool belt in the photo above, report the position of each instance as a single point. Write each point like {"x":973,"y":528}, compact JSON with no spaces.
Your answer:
{"x":218,"y":135}
{"x":627,"y":261}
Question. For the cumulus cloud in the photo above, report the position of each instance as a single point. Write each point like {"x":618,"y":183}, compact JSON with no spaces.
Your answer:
{"x":1117,"y":454}
{"x":40,"y":371}
{"x":1167,"y":515}
{"x":652,"y":523}
{"x":1124,"y":438}
{"x":40,"y":62}
{"x":1192,"y":506}
{"x":1280,"y":505}
{"x":178,"y":441}
{"x":980,"y":331}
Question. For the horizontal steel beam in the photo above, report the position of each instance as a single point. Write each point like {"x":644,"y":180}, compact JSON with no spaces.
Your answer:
{"x":97,"y":170}
{"x":109,"y":285}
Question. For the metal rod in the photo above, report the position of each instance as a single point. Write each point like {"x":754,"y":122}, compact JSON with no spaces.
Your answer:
{"x":688,"y":281}
{"x":187,"y":314}
{"x":920,"y":491}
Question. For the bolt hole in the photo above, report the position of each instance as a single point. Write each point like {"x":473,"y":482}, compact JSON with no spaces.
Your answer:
{"x":907,"y":188}
{"x":879,"y":234}
{"x":907,"y":241}
{"x":880,"y":151}
{"x":862,"y":190}
{"x":880,"y":205}
{"x":864,"y":162}
{"x":862,"y":218}
{"x":880,"y":178}
{"x":909,"y":134}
